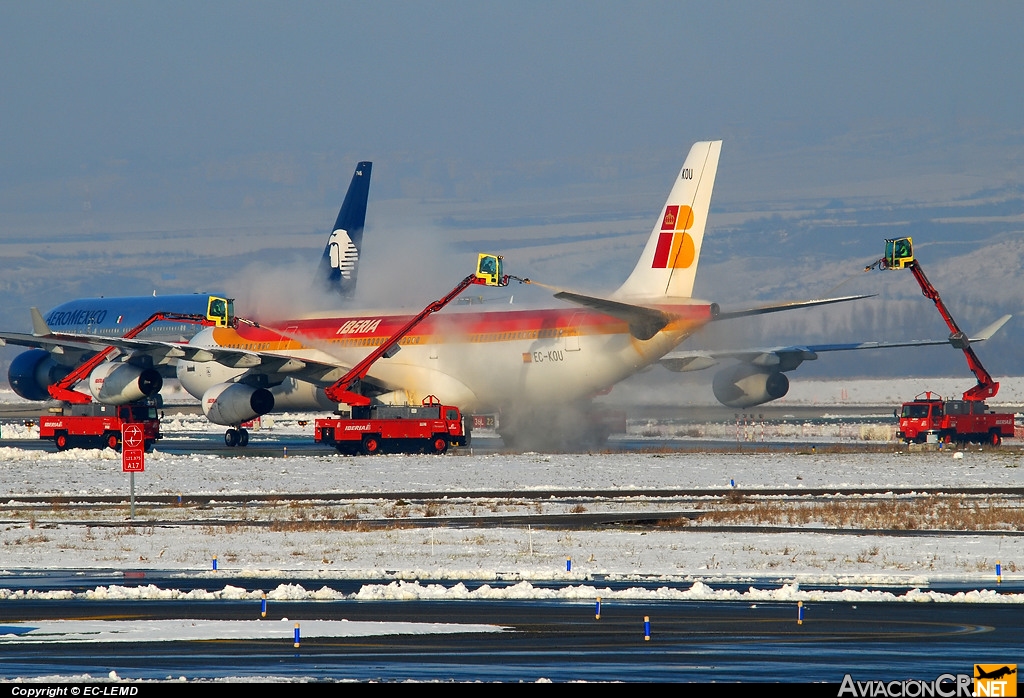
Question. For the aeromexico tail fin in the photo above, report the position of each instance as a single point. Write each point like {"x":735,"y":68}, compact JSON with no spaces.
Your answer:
{"x":339,"y":265}
{"x":668,"y":264}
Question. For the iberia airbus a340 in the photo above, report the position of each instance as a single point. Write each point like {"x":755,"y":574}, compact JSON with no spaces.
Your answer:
{"x":533,"y":367}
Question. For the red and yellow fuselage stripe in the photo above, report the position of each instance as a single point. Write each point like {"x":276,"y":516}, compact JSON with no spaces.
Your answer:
{"x":470,"y":328}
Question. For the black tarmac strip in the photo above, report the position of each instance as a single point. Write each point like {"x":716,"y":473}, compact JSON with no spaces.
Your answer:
{"x":560,"y":641}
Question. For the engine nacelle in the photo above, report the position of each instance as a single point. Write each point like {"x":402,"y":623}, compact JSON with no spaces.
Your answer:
{"x":32,"y":371}
{"x":230,"y":404}
{"x":118,"y":384}
{"x":747,"y":386}
{"x":300,"y":396}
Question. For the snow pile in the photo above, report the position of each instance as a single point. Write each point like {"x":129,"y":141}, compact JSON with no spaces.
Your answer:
{"x":522,"y":591}
{"x":139,"y":631}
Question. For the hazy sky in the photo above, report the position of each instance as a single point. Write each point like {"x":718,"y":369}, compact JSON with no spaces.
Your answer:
{"x":173,"y":130}
{"x":129,"y":100}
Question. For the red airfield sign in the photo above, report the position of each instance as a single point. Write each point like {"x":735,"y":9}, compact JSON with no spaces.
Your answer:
{"x":133,"y":449}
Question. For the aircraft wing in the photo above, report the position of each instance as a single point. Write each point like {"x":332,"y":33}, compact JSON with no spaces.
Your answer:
{"x":646,"y":322}
{"x":788,"y":358}
{"x":43,"y":337}
{"x":779,"y":307}
{"x":159,"y":352}
{"x":57,"y":345}
{"x":275,"y":367}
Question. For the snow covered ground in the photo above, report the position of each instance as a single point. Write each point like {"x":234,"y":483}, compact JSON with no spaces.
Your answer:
{"x":413,"y":560}
{"x":44,"y":538}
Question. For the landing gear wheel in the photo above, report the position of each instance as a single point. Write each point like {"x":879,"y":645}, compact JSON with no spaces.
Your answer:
{"x":371,"y":445}
{"x":231,"y":438}
{"x":440,"y":444}
{"x":62,"y":442}
{"x":243,"y":437}
{"x":112,"y":441}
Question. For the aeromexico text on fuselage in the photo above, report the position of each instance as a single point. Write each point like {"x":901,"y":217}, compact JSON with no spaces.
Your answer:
{"x":116,"y":316}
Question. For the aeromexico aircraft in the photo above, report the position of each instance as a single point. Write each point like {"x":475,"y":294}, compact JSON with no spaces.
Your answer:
{"x":534,"y":367}
{"x":32,"y":371}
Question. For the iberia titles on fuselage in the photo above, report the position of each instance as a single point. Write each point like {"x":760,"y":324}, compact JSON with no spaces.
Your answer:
{"x":534,"y":354}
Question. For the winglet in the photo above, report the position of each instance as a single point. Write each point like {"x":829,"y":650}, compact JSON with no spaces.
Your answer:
{"x":991,"y":329}
{"x":39,"y":326}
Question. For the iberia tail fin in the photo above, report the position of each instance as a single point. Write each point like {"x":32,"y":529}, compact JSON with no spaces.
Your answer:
{"x":668,"y":265}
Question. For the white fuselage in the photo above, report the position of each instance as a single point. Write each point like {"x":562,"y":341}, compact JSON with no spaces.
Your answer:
{"x":479,"y":361}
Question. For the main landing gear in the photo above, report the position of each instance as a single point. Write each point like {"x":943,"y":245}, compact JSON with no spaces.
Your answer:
{"x":236,"y":437}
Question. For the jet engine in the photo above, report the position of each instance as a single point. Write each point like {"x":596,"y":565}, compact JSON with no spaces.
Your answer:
{"x":118,"y":383}
{"x":32,"y":371}
{"x":300,"y":396}
{"x":747,"y":386}
{"x":230,"y":404}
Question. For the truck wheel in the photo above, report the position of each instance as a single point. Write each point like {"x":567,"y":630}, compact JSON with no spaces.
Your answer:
{"x":994,"y":438}
{"x":243,"y":437}
{"x":62,"y":442}
{"x":231,"y":438}
{"x":440,"y":444}
{"x":371,"y":445}
{"x":110,"y":440}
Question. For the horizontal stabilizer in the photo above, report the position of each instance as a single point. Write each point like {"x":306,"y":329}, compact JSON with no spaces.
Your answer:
{"x":643,"y":322}
{"x":765,"y":309}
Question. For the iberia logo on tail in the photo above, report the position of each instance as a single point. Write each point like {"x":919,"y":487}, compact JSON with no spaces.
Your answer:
{"x":675,"y":250}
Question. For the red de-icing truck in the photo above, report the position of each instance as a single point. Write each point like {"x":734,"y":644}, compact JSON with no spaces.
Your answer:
{"x":363,"y":427}
{"x":928,"y":417}
{"x":427,"y":428}
{"x":952,"y":421}
{"x":94,"y":425}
